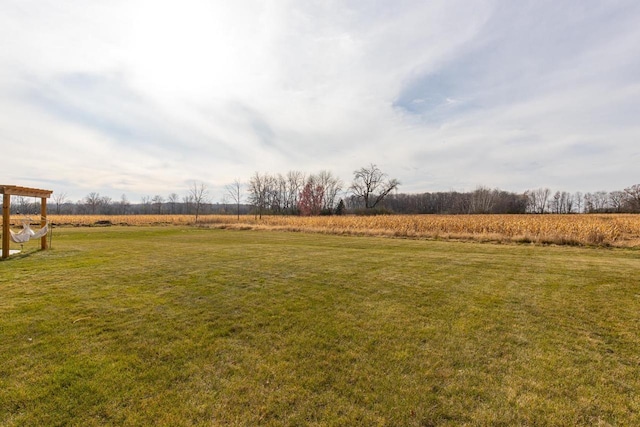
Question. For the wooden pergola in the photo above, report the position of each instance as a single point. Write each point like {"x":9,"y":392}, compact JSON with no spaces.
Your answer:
{"x":13,"y":190}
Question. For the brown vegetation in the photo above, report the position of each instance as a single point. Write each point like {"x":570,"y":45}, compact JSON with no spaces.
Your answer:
{"x":606,"y":229}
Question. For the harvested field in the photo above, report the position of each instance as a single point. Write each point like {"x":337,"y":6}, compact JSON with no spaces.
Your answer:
{"x":621,"y":230}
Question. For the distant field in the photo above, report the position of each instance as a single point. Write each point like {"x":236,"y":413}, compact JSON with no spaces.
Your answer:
{"x":621,"y":230}
{"x":187,"y":326}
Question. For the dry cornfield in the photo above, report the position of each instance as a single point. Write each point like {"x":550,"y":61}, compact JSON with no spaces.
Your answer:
{"x":605,"y":229}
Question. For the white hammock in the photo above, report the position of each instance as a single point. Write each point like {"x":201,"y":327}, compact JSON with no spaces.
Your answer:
{"x":27,"y":233}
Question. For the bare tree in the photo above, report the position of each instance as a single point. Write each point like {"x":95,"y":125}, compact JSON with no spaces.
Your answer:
{"x":145,"y":201}
{"x":22,"y":204}
{"x":157,"y":202}
{"x":92,"y":200}
{"x":567,"y":202}
{"x":601,"y":200}
{"x":106,"y":205}
{"x":588,"y":203}
{"x":295,"y":182}
{"x":331,"y":186}
{"x":280,"y":194}
{"x":234,"y":191}
{"x":538,"y":200}
{"x":173,"y":201}
{"x":200,"y":195}
{"x":371,"y":185}
{"x":578,"y":199}
{"x":555,"y":205}
{"x":633,"y":197}
{"x":124,"y":204}
{"x":59,"y":199}
{"x":482,"y":200}
{"x":259,"y":192}
{"x":187,"y":202}
{"x":617,"y":200}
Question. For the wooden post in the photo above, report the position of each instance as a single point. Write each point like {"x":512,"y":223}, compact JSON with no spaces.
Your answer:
{"x":43,"y":222}
{"x":6,"y":205}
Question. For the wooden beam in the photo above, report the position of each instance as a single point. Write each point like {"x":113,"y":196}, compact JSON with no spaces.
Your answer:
{"x":6,"y":205}
{"x":15,"y":190}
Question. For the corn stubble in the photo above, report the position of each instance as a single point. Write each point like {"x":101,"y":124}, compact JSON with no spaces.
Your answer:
{"x":606,"y":230}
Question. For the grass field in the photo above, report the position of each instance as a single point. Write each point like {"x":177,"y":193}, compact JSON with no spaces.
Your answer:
{"x":193,"y":326}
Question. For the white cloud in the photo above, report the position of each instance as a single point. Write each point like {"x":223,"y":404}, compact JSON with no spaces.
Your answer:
{"x":142,"y":97}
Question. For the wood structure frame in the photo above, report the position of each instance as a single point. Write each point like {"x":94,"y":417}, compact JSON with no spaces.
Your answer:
{"x":13,"y":190}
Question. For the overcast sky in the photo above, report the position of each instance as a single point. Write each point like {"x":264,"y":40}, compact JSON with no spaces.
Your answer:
{"x":144,"y":97}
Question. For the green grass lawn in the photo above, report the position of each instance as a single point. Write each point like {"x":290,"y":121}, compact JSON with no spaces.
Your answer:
{"x":185,"y":326}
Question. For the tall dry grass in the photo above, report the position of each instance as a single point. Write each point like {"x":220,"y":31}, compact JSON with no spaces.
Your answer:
{"x":607,"y":229}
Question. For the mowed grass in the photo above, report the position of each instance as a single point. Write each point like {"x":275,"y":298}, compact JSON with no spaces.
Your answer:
{"x":185,"y":326}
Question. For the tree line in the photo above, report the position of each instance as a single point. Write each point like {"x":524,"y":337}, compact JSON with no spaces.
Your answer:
{"x":484,"y":200}
{"x":371,"y":191}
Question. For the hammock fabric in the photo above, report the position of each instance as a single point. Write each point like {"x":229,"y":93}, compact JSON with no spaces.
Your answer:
{"x":27,"y":233}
